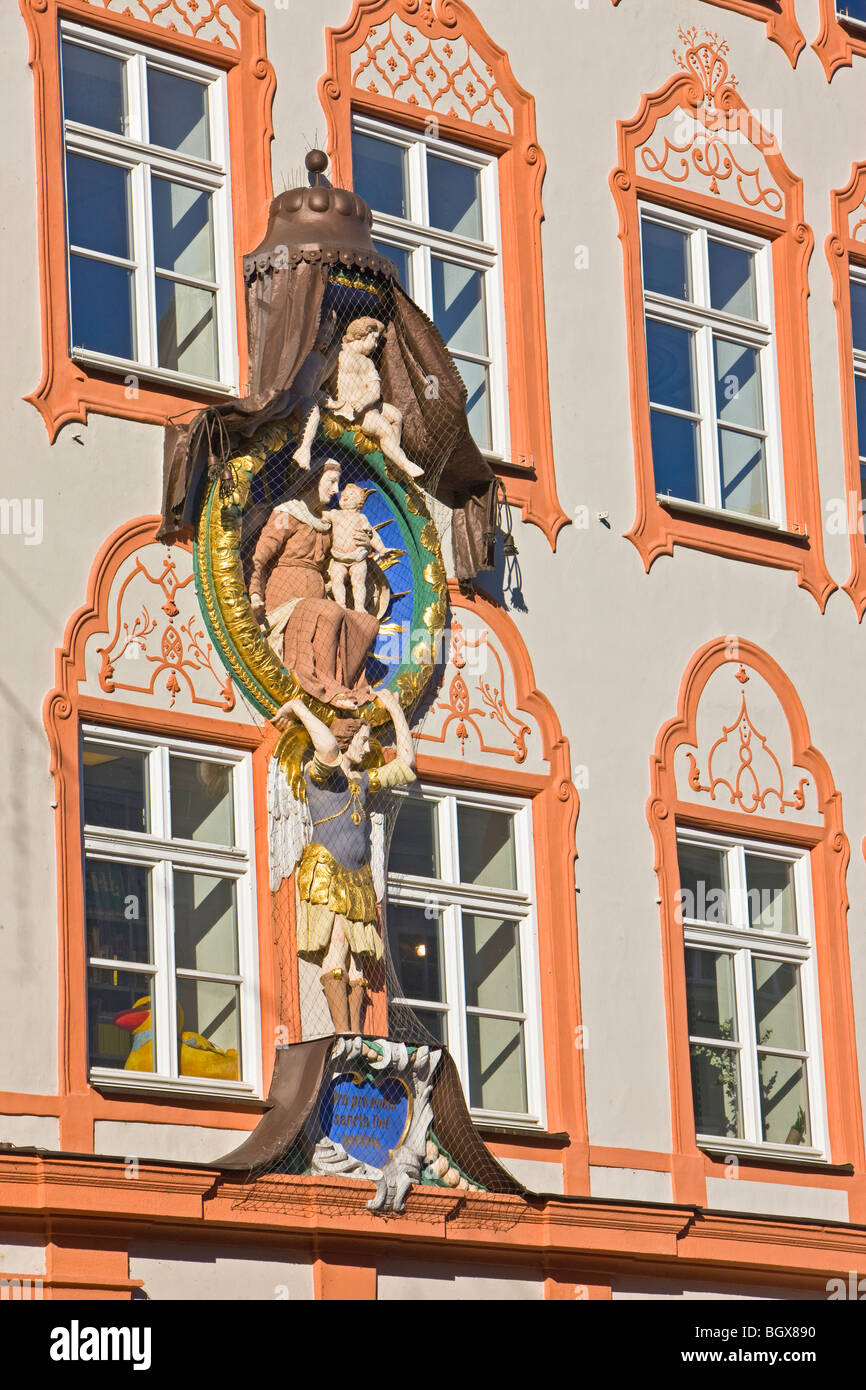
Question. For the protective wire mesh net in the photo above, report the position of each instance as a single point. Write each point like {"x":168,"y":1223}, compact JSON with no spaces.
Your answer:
{"x":334,"y":581}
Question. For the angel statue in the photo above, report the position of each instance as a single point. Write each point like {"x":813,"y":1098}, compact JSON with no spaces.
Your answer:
{"x":327,"y":822}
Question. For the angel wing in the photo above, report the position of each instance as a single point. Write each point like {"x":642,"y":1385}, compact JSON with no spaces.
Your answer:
{"x":290,"y":827}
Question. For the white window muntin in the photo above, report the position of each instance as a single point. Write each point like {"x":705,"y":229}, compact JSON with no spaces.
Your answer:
{"x":134,"y":152}
{"x":701,"y":319}
{"x":414,"y":235}
{"x":743,"y":943}
{"x":165,"y":856}
{"x":518,"y":905}
{"x":858,"y":276}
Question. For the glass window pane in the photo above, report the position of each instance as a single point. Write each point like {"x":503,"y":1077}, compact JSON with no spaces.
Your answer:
{"x":379,"y":174}
{"x":201,"y":801}
{"x":205,"y":923}
{"x":670,"y":363}
{"x":676,"y":450}
{"x":784,"y":1100}
{"x":710,"y":995}
{"x":703,"y":882}
{"x":665,"y":260}
{"x":497,"y":1064}
{"x":476,"y":379}
{"x":98,"y":204}
{"x":778,"y":1008}
{"x":415,"y":839}
{"x":454,"y":197}
{"x":115,"y":787}
{"x":186,"y":329}
{"x":401,"y":258}
{"x":458,"y":306}
{"x":858,"y":315}
{"x":716,"y":1091}
{"x":851,"y":9}
{"x":118,"y":912}
{"x":435,"y":1023}
{"x":738,"y":384}
{"x":860,"y":389}
{"x":94,"y":88}
{"x":486,"y":842}
{"x":120,"y":1022}
{"x":416,"y":937}
{"x":491,"y":963}
{"x":732,"y":279}
{"x":208,"y":1026}
{"x":743,"y":473}
{"x":178,"y":113}
{"x":102,"y":307}
{"x":772,"y":899}
{"x":182,"y":229}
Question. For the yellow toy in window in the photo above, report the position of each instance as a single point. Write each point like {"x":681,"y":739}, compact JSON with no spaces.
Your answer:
{"x":198,"y":1057}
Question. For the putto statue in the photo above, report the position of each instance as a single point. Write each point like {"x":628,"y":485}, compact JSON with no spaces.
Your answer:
{"x":354,"y":542}
{"x":358,"y":395}
{"x":327,"y":822}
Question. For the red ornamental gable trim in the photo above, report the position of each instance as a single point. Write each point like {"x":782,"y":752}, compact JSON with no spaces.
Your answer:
{"x":829,"y":854}
{"x":462,"y":713}
{"x":408,"y":62}
{"x":708,"y":178}
{"x":156,"y":647}
{"x":228,"y":34}
{"x":779,"y":17}
{"x":747,"y":792}
{"x":838,"y":43}
{"x":846,"y":246}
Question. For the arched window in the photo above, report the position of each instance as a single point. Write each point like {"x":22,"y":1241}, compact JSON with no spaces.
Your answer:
{"x":427,"y":122}
{"x":716,"y":251}
{"x":751,"y":860}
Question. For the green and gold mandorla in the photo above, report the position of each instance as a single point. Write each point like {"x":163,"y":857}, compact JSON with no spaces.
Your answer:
{"x":244,"y":649}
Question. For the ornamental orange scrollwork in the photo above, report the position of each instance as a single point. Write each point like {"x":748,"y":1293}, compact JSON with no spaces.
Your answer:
{"x":179,"y":651}
{"x":756,"y":774}
{"x":471,"y":654}
{"x":704,"y":136}
{"x":444,"y":75}
{"x":200,"y":19}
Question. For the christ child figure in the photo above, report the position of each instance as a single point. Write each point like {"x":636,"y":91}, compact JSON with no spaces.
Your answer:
{"x":358,"y":393}
{"x":353,"y":542}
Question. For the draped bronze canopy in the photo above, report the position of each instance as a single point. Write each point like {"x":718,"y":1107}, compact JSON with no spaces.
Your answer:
{"x":312,"y":233}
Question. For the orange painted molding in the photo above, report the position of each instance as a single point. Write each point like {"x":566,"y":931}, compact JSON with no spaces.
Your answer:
{"x":829,"y":861}
{"x":774,"y":212}
{"x":779,"y":17}
{"x":63,"y":710}
{"x":837,"y":43}
{"x":69,"y":390}
{"x":845,"y":245}
{"x":492,"y":95}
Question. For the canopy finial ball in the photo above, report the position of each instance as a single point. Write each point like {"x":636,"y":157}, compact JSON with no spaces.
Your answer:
{"x":316,"y":162}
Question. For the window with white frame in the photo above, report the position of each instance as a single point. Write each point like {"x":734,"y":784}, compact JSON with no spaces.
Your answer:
{"x":148,"y":211}
{"x":462,"y":931}
{"x":436,"y":215}
{"x":854,"y":10}
{"x":858,"y":335}
{"x":752,"y":993}
{"x":170,"y":919}
{"x":711,"y":364}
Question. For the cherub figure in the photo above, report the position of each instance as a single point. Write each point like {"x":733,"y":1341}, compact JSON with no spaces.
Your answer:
{"x":358,"y":395}
{"x":353,"y":542}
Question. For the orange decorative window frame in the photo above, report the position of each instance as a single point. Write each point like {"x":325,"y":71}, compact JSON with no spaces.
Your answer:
{"x":779,"y":17}
{"x":846,"y":246}
{"x":496,"y":715}
{"x":837,"y":43}
{"x":828,"y":850}
{"x":471,"y":91}
{"x":226,"y":34}
{"x":65,"y":709}
{"x":711,"y":177}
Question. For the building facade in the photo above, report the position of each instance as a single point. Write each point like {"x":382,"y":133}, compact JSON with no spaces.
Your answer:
{"x":629,"y":893}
